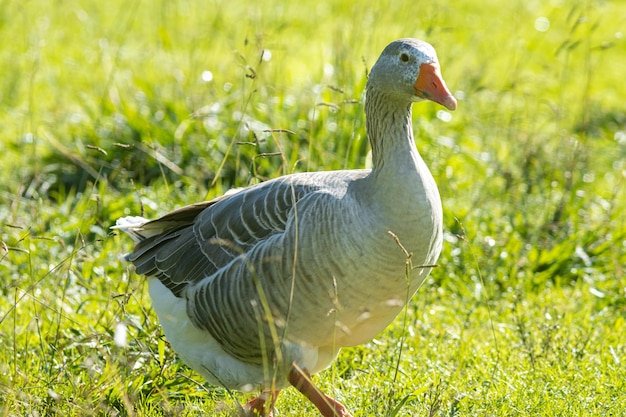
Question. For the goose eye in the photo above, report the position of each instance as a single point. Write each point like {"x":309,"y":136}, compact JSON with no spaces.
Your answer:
{"x":404,"y":57}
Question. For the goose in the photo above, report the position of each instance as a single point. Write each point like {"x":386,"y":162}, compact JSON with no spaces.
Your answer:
{"x":260,"y":288}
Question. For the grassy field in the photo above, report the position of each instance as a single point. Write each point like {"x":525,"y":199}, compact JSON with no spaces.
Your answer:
{"x":122,"y":108}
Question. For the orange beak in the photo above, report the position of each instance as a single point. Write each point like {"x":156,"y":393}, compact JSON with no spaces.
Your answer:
{"x":430,"y":85}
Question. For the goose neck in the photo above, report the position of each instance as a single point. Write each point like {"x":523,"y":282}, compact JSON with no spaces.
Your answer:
{"x":390,"y":131}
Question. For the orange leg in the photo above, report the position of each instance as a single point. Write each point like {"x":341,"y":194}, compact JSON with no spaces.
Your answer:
{"x":263,"y":405}
{"x":328,"y":407}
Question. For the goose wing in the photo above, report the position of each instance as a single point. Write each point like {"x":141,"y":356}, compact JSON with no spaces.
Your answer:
{"x":232,"y":259}
{"x":193,"y":243}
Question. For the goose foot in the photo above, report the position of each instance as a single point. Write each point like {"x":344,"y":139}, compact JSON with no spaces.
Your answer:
{"x":328,"y":407}
{"x":261,"y":406}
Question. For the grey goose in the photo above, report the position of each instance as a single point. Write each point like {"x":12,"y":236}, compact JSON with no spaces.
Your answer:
{"x":260,"y":288}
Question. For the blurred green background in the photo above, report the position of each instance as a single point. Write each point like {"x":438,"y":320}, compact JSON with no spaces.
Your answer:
{"x":139,"y":107}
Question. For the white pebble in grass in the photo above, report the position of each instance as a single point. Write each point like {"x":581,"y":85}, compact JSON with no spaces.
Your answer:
{"x":28,"y":138}
{"x":207,"y":76}
{"x":329,"y":70}
{"x":542,"y":24}
{"x":120,"y":337}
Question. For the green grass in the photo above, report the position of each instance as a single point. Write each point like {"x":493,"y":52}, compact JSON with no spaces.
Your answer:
{"x":104,"y":113}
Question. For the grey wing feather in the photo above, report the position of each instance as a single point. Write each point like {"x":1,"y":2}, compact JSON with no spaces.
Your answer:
{"x":194,"y":242}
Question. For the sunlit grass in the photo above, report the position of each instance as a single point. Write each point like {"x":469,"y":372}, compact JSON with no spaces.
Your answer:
{"x":108,"y":109}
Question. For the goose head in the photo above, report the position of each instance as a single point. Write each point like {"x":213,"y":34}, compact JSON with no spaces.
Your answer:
{"x":408,"y":71}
